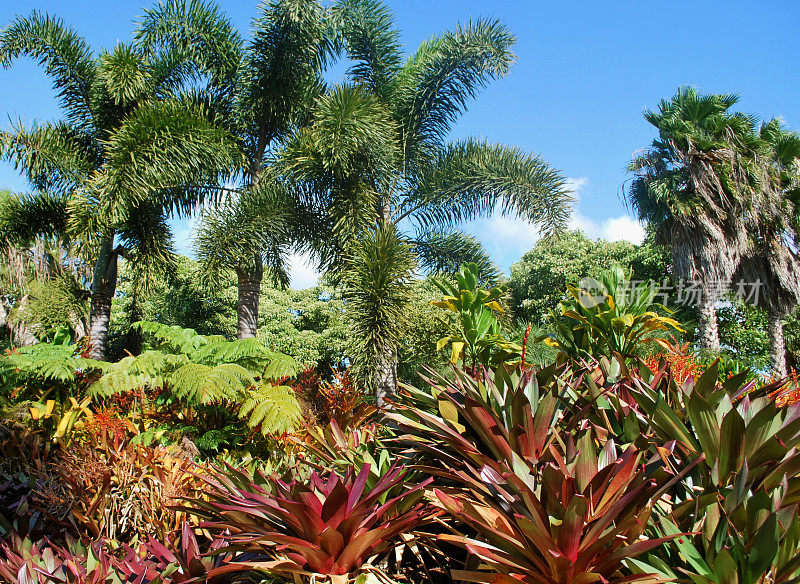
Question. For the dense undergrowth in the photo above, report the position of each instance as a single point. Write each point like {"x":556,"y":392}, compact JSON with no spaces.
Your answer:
{"x":627,"y":459}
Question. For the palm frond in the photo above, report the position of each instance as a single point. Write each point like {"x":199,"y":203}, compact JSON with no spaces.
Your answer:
{"x":255,"y":223}
{"x":470,"y":179}
{"x":166,"y":145}
{"x":372,"y":42}
{"x":280,"y":75}
{"x":51,"y":156}
{"x":435,"y":84}
{"x":191,"y":39}
{"x":347,"y":156}
{"x":440,"y":252}
{"x":124,"y":76}
{"x":23,"y":218}
{"x":63,"y":53}
{"x":147,"y":237}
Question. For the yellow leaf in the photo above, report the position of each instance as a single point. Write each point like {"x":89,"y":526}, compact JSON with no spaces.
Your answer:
{"x":442,"y":342}
{"x":36,"y":413}
{"x":450,"y":413}
{"x":494,"y":305}
{"x":51,"y":403}
{"x":458,"y":346}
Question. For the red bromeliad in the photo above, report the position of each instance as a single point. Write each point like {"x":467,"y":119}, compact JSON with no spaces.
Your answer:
{"x":329,"y":524}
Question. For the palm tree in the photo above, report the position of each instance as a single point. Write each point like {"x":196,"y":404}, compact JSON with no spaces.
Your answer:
{"x":694,"y":185}
{"x":261,"y":101}
{"x":244,"y":233}
{"x":378,"y":166}
{"x":771,"y":261}
{"x":134,"y":136}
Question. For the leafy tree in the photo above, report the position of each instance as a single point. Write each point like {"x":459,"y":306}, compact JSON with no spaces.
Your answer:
{"x":113,"y":169}
{"x":538,"y":279}
{"x":41,"y":277}
{"x":177,"y":299}
{"x":695,"y":185}
{"x":377,"y":164}
{"x":311,"y":325}
{"x":425,"y":327}
{"x":262,"y":93}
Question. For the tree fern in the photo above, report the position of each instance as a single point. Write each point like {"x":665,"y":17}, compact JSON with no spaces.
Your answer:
{"x":273,"y":409}
{"x":174,"y":339}
{"x":50,"y":362}
{"x":280,"y":367}
{"x":150,"y":369}
{"x":206,"y":384}
{"x":244,"y":352}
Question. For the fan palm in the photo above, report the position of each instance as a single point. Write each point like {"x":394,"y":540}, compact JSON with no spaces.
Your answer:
{"x":134,"y":135}
{"x":261,"y":101}
{"x":378,"y":165}
{"x":771,"y":263}
{"x":694,"y":185}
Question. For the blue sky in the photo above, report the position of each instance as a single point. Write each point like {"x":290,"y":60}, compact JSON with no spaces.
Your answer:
{"x":585,"y":71}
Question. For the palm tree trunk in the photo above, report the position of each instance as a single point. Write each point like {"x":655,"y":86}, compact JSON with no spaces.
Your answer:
{"x":777,"y":346}
{"x":709,"y":333}
{"x":386,"y":378}
{"x":249,"y":282}
{"x":104,"y":286}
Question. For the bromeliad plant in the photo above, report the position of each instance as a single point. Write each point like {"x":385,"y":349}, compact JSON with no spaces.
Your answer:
{"x":41,"y":562}
{"x":330,"y":524}
{"x":502,"y":415}
{"x":740,"y":502}
{"x":576,"y":518}
{"x":547,"y":507}
{"x":478,"y":339}
{"x":608,"y":316}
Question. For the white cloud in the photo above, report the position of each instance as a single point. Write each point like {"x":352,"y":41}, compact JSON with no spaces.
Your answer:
{"x":302,"y":271}
{"x":612,"y":228}
{"x":576,"y":185}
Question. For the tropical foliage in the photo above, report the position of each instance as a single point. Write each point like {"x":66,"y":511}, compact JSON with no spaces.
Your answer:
{"x":170,"y":420}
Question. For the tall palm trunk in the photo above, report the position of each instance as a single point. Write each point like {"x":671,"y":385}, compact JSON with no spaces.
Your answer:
{"x":777,"y":346}
{"x":249,"y":284}
{"x":386,"y":378}
{"x":104,"y":285}
{"x":709,"y":332}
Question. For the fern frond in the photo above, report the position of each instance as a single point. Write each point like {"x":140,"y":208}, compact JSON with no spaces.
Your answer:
{"x":233,"y":351}
{"x":251,"y":354}
{"x":205,"y":384}
{"x":175,"y":338}
{"x":150,"y":369}
{"x":280,"y":367}
{"x":50,"y":362}
{"x":273,"y":409}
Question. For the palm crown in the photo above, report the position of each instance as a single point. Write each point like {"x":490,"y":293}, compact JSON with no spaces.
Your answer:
{"x":388,"y":188}
{"x":695,"y":185}
{"x":261,"y":91}
{"x":133,"y":138}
